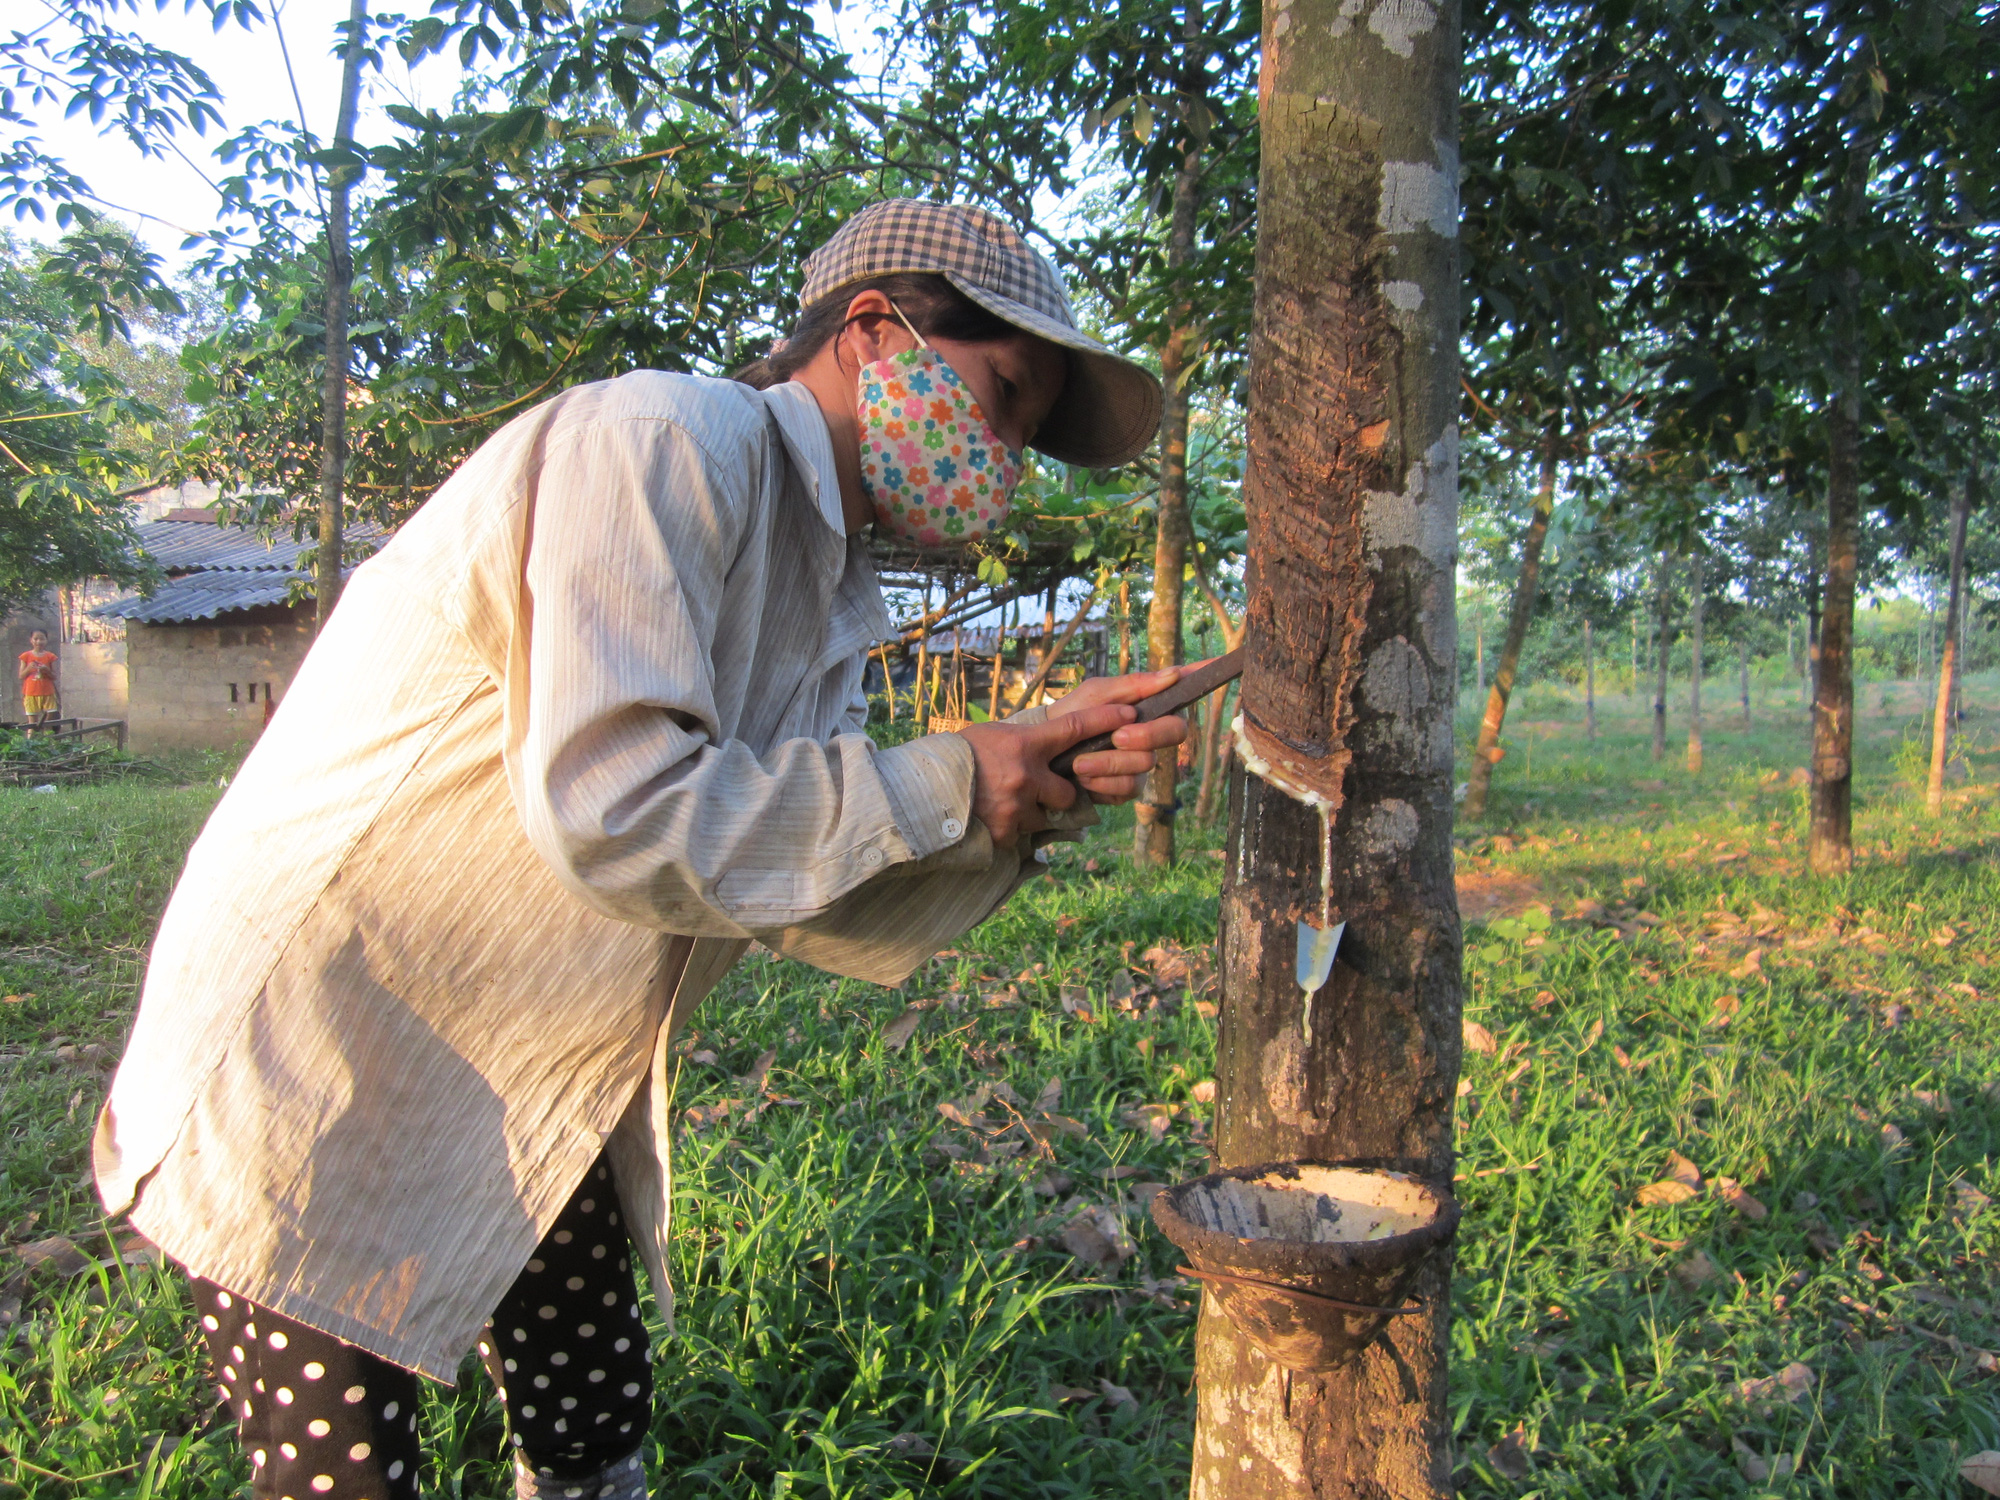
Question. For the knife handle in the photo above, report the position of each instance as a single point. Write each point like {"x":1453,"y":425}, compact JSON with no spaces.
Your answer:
{"x":1194,"y":685}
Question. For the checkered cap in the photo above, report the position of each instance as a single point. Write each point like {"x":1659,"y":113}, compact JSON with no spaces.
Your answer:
{"x":1109,"y":409}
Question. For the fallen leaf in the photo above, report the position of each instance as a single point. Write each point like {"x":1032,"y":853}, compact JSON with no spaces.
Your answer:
{"x":1117,"y":1395}
{"x":1620,"y":1056}
{"x":1062,"y":1393}
{"x":1590,"y":1037}
{"x":1077,"y":1003}
{"x":1696,"y":1271}
{"x":58,"y":1252}
{"x":1982,"y":1471}
{"x":1752,"y":966}
{"x":1098,"y":1238}
{"x":106,"y":870}
{"x":1967,"y":1199}
{"x":1790,"y":1384}
{"x":1203,"y":1092}
{"x":760,"y":1070}
{"x":1726,"y":1007}
{"x":1051,"y":1184}
{"x":1509,"y":1456}
{"x":1732,"y":1192}
{"x":1754,"y":1467}
{"x":1479,"y":1039}
{"x":896,"y":1035}
{"x":704,"y":1056}
{"x":1932,"y":1100}
{"x":1823,"y":1242}
{"x":1654,"y":1194}
{"x":911,"y":1445}
{"x":1680,"y":1169}
{"x":1151,"y":1118}
{"x":1892,"y":1138}
{"x":1049,"y":1097}
{"x":1208,"y":1010}
{"x":1944,"y":937}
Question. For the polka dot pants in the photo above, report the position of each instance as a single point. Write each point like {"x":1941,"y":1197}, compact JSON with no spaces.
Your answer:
{"x":566,"y":1350}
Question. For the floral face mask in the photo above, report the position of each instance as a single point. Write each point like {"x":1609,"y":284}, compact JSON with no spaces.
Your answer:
{"x":935,"y":470}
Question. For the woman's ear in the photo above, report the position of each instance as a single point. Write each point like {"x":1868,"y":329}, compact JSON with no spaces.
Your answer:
{"x":873,"y":331}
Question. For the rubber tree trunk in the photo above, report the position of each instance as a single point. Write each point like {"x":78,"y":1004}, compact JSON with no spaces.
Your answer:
{"x":1211,"y":756}
{"x":1948,"y":668}
{"x":1743,"y":668}
{"x":1153,"y":830}
{"x":1694,"y":680}
{"x":1830,"y":839}
{"x":1351,"y":496}
{"x":1664,"y":642}
{"x":333,"y":384}
{"x":1487,"y":752}
{"x":1124,"y":626}
{"x":1589,"y":685}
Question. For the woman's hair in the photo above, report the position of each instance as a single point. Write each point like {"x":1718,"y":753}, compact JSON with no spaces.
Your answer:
{"x":935,"y":307}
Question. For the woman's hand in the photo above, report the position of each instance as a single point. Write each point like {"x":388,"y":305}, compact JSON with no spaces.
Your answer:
{"x":1012,"y":784}
{"x":1115,"y":775}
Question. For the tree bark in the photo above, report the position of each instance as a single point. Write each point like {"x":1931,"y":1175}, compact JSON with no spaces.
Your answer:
{"x":1948,"y":667}
{"x":1487,"y":752}
{"x":1153,"y":829}
{"x":1664,"y":645}
{"x":1830,"y":839}
{"x":1351,"y":497}
{"x":1743,"y":663}
{"x":1589,"y":685}
{"x":1211,"y":756}
{"x":1694,"y":680}
{"x":327,"y":572}
{"x":1124,"y":626}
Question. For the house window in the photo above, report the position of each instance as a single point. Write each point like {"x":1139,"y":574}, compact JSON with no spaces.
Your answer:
{"x":232,"y":693}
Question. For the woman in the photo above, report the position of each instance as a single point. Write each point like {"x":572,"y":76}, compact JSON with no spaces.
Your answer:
{"x":398,"y":1069}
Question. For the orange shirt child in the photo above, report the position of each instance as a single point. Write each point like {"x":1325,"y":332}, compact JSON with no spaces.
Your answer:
{"x":38,"y":680}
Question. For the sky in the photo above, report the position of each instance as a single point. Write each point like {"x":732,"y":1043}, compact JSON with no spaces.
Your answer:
{"x":163,"y":198}
{"x":248,"y":68}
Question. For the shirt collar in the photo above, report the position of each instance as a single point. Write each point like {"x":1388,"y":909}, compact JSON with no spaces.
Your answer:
{"x":804,"y":426}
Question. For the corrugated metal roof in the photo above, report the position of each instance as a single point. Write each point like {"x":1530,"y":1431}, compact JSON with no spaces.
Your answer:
{"x":188,"y":546}
{"x":202,"y":596}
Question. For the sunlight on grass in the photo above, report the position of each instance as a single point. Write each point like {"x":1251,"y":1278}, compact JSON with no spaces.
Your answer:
{"x":876,"y":1298}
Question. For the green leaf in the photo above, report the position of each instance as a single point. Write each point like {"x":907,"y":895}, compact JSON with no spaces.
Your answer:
{"x":1535,"y":919}
{"x":497,"y":300}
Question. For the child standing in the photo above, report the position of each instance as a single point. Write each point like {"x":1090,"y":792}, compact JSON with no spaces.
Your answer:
{"x":38,"y":680}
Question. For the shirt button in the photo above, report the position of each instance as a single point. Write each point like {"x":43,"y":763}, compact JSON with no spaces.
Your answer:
{"x":953,"y":829}
{"x":871,"y":857}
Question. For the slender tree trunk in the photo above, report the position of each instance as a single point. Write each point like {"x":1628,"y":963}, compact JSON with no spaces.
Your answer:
{"x":1694,"y":681}
{"x":1664,"y":644}
{"x":1589,"y":685}
{"x":327,"y":572}
{"x":1487,"y":751}
{"x":1829,"y":843}
{"x":1479,"y":656}
{"x":1812,"y":645}
{"x":1153,"y":831}
{"x":1049,"y":641}
{"x":923,"y":661}
{"x":999,"y":667}
{"x":1948,"y":667}
{"x":1211,"y":757}
{"x":1353,"y":403}
{"x":1124,"y":626}
{"x":1743,"y":663}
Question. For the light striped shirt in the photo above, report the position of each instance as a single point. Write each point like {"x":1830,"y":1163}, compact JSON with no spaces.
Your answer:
{"x":426,"y":956}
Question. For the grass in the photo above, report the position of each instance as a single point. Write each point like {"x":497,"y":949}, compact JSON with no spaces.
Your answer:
{"x":875,"y":1300}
